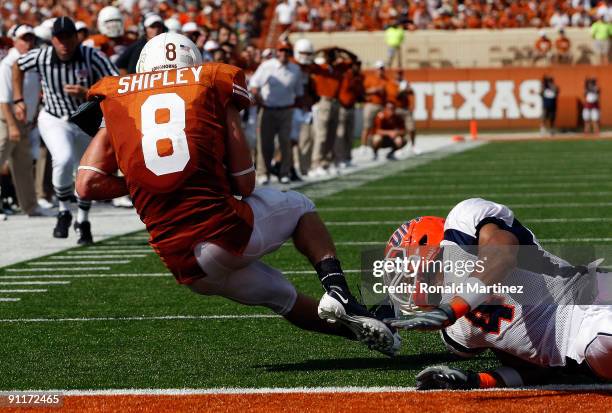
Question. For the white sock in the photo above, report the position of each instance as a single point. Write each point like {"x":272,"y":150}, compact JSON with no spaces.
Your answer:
{"x":82,"y":215}
{"x":64,"y":206}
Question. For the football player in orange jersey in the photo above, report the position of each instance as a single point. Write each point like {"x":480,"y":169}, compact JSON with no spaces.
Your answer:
{"x":174,"y":130}
{"x":111,"y":40}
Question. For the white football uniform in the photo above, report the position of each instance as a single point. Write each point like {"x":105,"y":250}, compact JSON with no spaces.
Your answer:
{"x":542,"y":325}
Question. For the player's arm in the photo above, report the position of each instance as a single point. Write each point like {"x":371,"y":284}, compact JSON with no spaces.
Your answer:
{"x":497,"y":252}
{"x":95,"y":179}
{"x":239,"y":161}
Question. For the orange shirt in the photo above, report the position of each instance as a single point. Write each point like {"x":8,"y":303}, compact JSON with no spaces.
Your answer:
{"x":351,"y":89}
{"x":543,"y":45}
{"x":169,"y":142}
{"x":401,"y":100}
{"x":384,"y":122}
{"x":374,"y":81}
{"x":112,"y":48}
{"x":327,"y":78}
{"x":562,"y":44}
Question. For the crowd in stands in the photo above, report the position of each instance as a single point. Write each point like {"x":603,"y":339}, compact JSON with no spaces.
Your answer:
{"x":358,"y":15}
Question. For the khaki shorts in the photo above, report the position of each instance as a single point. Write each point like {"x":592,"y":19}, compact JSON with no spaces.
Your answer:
{"x":408,"y":119}
{"x":370,"y":110}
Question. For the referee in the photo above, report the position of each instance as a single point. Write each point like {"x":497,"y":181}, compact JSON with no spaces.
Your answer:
{"x":67,"y":70}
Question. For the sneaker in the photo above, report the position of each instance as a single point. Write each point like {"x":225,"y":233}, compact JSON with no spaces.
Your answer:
{"x":415,"y":150}
{"x":44,"y":204}
{"x":367,"y":329}
{"x":41,"y":212}
{"x":319,"y":172}
{"x":83,"y":230}
{"x":123,"y":202}
{"x":2,"y":217}
{"x":285,"y":180}
{"x":263,"y":180}
{"x":293,"y":175}
{"x":64,"y":218}
{"x":391,"y":156}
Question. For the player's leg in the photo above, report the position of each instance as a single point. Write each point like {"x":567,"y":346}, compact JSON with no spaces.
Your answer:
{"x":592,"y":341}
{"x":82,"y":225}
{"x":595,"y":120}
{"x":586,"y":119}
{"x":56,"y":134}
{"x":598,"y":355}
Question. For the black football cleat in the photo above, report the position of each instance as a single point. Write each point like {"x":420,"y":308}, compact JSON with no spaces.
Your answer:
{"x":83,"y":230}
{"x":64,"y":219}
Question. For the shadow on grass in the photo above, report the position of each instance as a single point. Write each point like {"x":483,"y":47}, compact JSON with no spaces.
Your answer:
{"x":404,"y":362}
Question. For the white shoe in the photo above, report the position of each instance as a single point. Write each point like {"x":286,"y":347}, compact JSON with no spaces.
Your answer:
{"x":285,"y":180}
{"x":123,"y":202}
{"x":319,"y":172}
{"x":368,"y":330}
{"x":2,"y":217}
{"x":263,"y":180}
{"x":44,"y":204}
{"x":333,"y":171}
{"x":415,"y":150}
{"x":42,"y":212}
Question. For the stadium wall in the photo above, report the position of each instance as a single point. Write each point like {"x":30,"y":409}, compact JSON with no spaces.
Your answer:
{"x":461,"y":48}
{"x":503,"y":98}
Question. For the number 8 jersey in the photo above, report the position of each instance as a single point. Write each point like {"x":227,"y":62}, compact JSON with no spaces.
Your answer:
{"x":168,"y":133}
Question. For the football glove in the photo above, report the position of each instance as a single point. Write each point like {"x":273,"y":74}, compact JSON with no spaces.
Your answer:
{"x":88,"y":116}
{"x":436,"y":319}
{"x":443,"y":377}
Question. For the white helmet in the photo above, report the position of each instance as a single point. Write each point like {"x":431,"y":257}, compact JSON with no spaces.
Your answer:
{"x":168,"y":51}
{"x":110,"y":22}
{"x":43,"y":31}
{"x":303,"y":51}
{"x":173,"y":25}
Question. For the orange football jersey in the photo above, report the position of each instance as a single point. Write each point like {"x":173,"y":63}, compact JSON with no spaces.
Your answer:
{"x":168,"y":132}
{"x":112,"y":48}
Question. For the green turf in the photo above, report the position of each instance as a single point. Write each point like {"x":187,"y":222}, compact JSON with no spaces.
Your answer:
{"x":538,"y":180}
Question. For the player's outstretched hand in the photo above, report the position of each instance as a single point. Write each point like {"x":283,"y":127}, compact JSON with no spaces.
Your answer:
{"x":436,"y":319}
{"x":443,"y":377}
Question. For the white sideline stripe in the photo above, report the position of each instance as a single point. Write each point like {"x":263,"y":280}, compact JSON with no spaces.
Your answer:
{"x":23,"y":291}
{"x":58,"y":269}
{"x":412,"y":186}
{"x":140,"y":318}
{"x":64,"y":257}
{"x":78,"y":262}
{"x":34,"y":282}
{"x":543,"y":240}
{"x":55,"y":276}
{"x":531,"y":221}
{"x":417,"y":207}
{"x":501,"y":174}
{"x":483,"y":195}
{"x":289,"y":390}
{"x":9,"y":300}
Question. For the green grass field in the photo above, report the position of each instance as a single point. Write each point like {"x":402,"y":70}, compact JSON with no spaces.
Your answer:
{"x":84,"y":332}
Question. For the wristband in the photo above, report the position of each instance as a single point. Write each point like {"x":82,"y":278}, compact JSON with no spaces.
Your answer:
{"x":471,"y":294}
{"x":16,"y":101}
{"x":459,"y":307}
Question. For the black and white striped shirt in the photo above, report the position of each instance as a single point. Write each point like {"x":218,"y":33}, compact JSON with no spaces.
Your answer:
{"x":86,"y":67}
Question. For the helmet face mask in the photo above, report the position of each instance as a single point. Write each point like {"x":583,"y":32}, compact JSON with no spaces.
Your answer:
{"x":168,"y":51}
{"x":416,"y":245}
{"x":303,"y":51}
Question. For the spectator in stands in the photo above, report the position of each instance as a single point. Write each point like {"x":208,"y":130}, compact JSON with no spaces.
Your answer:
{"x":327,"y":76}
{"x":14,"y":134}
{"x":549,"y":94}
{"x":82,"y":31}
{"x":284,"y":14}
{"x":559,"y":19}
{"x":562,"y":48}
{"x":277,"y":86}
{"x":389,"y":131}
{"x":394,"y":37}
{"x":580,"y":17}
{"x":542,"y":48}
{"x":126,"y":63}
{"x":400,"y":93}
{"x":375,"y":95}
{"x":590,"y":110}
{"x":351,"y":92}
{"x":601,"y":32}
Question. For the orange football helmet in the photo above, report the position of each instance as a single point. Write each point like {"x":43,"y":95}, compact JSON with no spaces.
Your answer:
{"x":417,"y":241}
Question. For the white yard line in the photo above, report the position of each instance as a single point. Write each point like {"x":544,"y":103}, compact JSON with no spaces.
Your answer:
{"x":479,"y":186}
{"x":56,"y":276}
{"x":57,"y":269}
{"x":527,"y":221}
{"x":290,"y":390}
{"x":33,"y":290}
{"x":421,"y":207}
{"x":9,"y":300}
{"x":34,"y":282}
{"x":139,"y":318}
{"x":114,"y":250}
{"x":80,"y":262}
{"x":485,"y":195}
{"x":96,"y":256}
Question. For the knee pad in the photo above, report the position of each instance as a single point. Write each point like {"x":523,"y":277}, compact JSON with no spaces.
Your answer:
{"x":598,"y":355}
{"x":255,"y":284}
